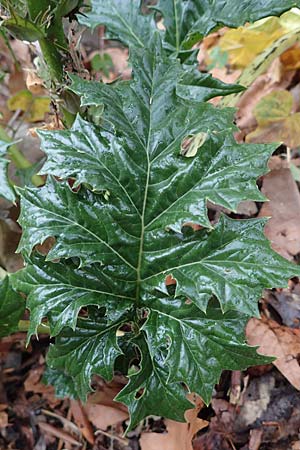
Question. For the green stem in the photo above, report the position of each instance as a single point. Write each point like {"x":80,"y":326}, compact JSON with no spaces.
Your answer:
{"x":24,"y":325}
{"x":19,"y":159}
{"x":53,"y":59}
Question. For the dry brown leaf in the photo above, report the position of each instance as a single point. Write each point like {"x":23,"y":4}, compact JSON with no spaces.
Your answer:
{"x":279,"y":341}
{"x":9,"y":238}
{"x":290,"y":59}
{"x":3,"y":419}
{"x":103,"y":416}
{"x":82,"y":421}
{"x":283,"y":228}
{"x":34,"y":83}
{"x":255,"y":439}
{"x":274,"y":78}
{"x":277,"y":120}
{"x":58,"y":433}
{"x":179,"y":436}
{"x":101,"y":410}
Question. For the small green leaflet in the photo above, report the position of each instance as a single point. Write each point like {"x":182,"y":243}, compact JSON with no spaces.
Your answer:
{"x":6,"y":188}
{"x":12,"y":307}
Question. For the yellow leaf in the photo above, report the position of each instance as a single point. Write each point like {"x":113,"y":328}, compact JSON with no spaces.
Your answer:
{"x":34,"y":108}
{"x":276,"y":121}
{"x":245,"y":43}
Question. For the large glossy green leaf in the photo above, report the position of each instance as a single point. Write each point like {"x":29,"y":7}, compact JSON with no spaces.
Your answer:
{"x":234,"y":262}
{"x":6,"y":188}
{"x":199,"y":345}
{"x":149,"y":392}
{"x":12,"y":307}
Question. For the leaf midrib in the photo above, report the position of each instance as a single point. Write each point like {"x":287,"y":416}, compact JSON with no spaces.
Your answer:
{"x":147,"y":148}
{"x":67,"y":286}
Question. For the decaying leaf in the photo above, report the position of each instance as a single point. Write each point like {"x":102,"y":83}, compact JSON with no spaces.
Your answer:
{"x":276,"y":121}
{"x":34,"y":107}
{"x":245,"y":43}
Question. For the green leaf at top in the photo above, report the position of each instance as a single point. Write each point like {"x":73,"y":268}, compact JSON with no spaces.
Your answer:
{"x":122,"y":229}
{"x":12,"y":307}
{"x":6,"y":188}
{"x":186,"y":21}
{"x":143,"y":186}
{"x":123,"y":19}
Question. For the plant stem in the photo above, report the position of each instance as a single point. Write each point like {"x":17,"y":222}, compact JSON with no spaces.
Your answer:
{"x":52,"y":59}
{"x":42,"y":328}
{"x":19,"y":159}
